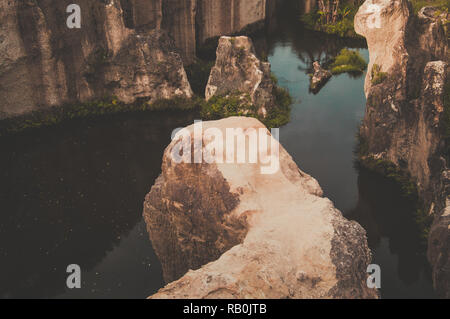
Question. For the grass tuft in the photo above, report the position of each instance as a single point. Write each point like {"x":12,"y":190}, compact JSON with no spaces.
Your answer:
{"x":348,"y":61}
{"x":377,"y":76}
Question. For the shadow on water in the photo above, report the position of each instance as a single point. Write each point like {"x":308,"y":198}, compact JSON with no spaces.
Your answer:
{"x":394,"y":236}
{"x":73,"y":194}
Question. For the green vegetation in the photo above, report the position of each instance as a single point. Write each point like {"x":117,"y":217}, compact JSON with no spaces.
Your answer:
{"x":282,"y":115}
{"x":198,"y":75}
{"x":237,"y":104}
{"x":341,"y":26}
{"x":377,"y":76}
{"x":348,"y":61}
{"x":392,"y":172}
{"x":56,"y":115}
{"x":385,"y":168}
{"x":233,"y":104}
{"x":215,"y":108}
{"x":442,"y":5}
{"x":339,"y":21}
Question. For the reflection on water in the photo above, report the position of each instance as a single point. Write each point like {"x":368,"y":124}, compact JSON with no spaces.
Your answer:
{"x":74,"y":193}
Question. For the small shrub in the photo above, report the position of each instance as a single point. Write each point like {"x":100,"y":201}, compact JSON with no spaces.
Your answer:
{"x":234,"y":104}
{"x":343,"y":27}
{"x":238,"y":104}
{"x":439,"y":4}
{"x":377,"y":76}
{"x":282,"y":114}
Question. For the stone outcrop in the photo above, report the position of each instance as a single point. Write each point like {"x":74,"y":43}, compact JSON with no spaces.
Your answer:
{"x":319,"y":78}
{"x":230,"y":231}
{"x":44,"y":63}
{"x":225,"y":17}
{"x":404,"y":122}
{"x":238,"y":70}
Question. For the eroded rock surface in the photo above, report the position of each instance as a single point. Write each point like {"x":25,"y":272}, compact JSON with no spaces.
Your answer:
{"x":44,"y":63}
{"x":319,"y":77}
{"x":404,"y":122}
{"x":238,"y":70}
{"x":225,"y":17}
{"x":231,"y":232}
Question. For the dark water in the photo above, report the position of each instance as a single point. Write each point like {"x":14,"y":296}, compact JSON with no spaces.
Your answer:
{"x":321,"y":138}
{"x":73,"y":194}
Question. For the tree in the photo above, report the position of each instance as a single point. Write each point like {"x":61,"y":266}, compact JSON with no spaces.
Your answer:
{"x":329,"y":10}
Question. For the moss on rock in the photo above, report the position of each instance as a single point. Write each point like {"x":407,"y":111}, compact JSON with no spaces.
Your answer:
{"x":349,"y":61}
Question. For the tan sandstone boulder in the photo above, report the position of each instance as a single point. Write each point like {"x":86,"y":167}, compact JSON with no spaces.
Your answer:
{"x":249,"y":231}
{"x":239,"y":71}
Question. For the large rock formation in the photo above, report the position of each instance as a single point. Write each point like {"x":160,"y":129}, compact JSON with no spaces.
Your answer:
{"x":248,"y":234}
{"x":404,"y":122}
{"x":44,"y":63}
{"x":225,"y":17}
{"x":238,"y":70}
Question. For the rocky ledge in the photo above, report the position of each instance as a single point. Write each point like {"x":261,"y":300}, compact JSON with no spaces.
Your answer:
{"x":230,"y":231}
{"x":239,"y":71}
{"x":319,"y":78}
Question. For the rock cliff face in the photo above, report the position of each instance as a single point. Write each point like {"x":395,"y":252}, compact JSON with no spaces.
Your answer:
{"x":404,"y":122}
{"x":224,"y":17}
{"x":247,"y":234}
{"x":237,"y":69}
{"x":44,"y":63}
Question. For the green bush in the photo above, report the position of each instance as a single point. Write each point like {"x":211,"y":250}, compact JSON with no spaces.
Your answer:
{"x":377,"y":76}
{"x":348,"y":61}
{"x":440,"y":4}
{"x":344,"y":26}
{"x":238,"y":104}
{"x":282,"y":114}
{"x":234,"y":104}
